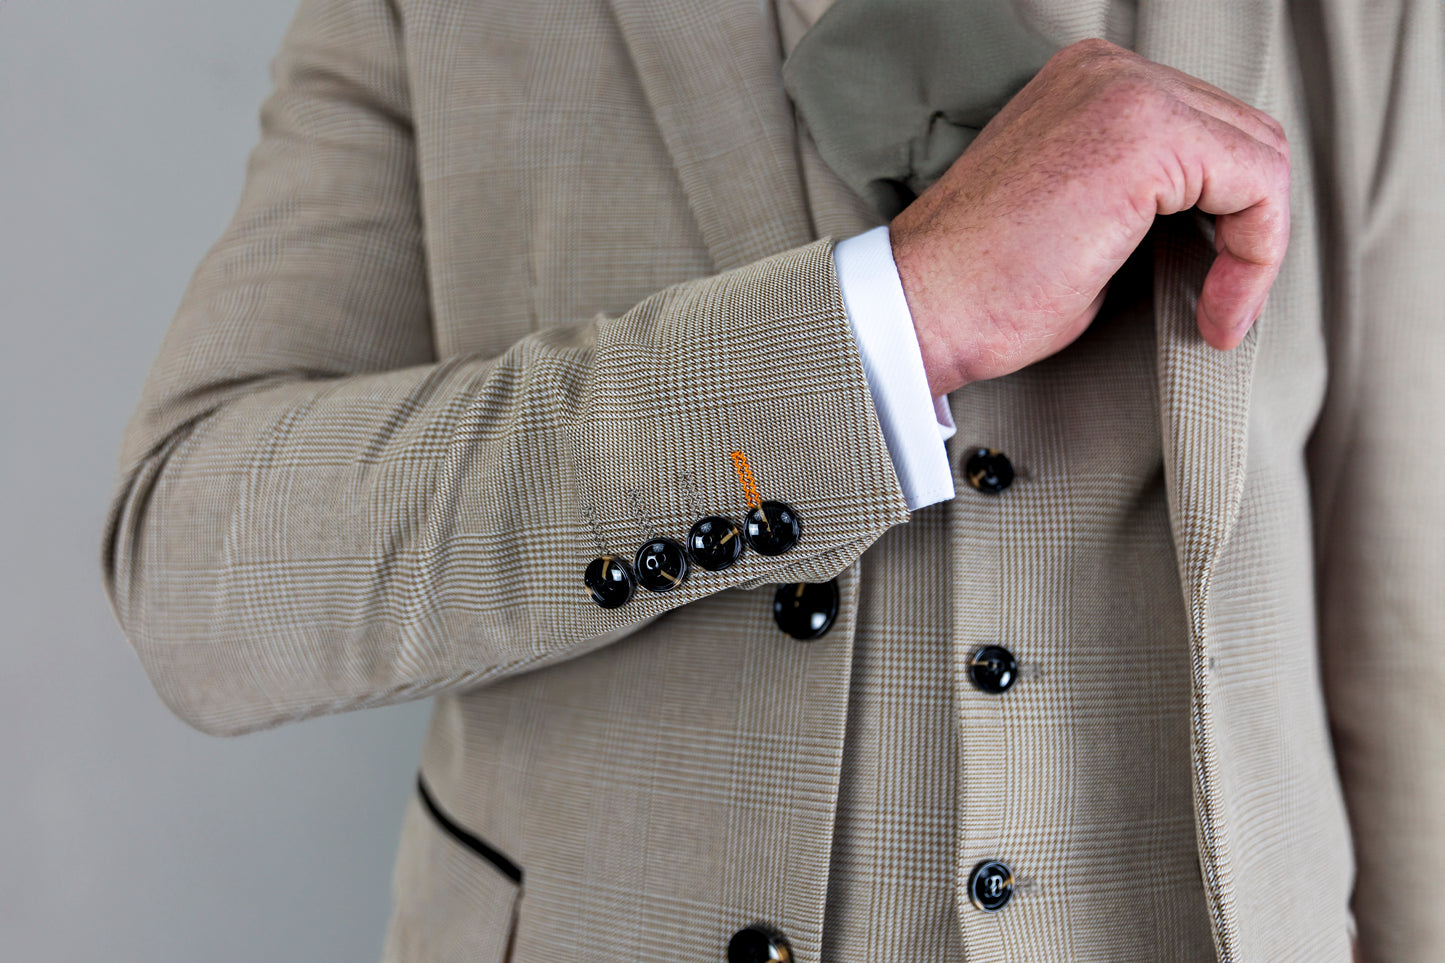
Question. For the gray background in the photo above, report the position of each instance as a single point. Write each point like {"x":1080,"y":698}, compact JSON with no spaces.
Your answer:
{"x":124,"y":834}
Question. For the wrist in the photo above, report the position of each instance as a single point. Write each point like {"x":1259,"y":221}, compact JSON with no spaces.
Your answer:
{"x":942,"y":358}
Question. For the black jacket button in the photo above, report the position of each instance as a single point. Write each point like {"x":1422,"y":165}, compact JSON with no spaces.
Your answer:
{"x":988,"y":470}
{"x":993,"y":669}
{"x":991,"y":885}
{"x":661,"y":565}
{"x":806,"y":610}
{"x":771,"y":529}
{"x":758,"y":944}
{"x":609,"y":581}
{"x":715,"y":542}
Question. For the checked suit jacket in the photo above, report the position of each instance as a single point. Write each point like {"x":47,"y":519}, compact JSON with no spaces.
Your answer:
{"x":508,"y":284}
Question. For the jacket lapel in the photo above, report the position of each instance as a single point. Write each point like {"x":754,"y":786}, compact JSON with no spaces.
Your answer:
{"x":1205,"y":395}
{"x":710,"y":73}
{"x":1204,"y":409}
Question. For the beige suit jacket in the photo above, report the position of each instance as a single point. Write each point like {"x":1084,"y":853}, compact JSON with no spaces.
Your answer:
{"x":509,"y":282}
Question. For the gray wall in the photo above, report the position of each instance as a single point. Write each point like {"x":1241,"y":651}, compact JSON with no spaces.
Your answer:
{"x":124,"y":835}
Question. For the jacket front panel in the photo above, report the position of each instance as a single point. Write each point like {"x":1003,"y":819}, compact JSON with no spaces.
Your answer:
{"x":423,"y":378}
{"x":556,"y":188}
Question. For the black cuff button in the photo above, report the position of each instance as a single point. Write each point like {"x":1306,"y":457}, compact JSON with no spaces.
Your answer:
{"x":757,"y":944}
{"x":715,"y":542}
{"x":991,"y":885}
{"x":609,"y":581}
{"x":772,"y":529}
{"x":993,"y":669}
{"x":988,"y":470}
{"x":661,"y":565}
{"x":806,"y":610}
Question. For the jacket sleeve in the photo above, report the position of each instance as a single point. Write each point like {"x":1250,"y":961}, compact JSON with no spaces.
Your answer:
{"x":1374,"y":70}
{"x":313,"y":513}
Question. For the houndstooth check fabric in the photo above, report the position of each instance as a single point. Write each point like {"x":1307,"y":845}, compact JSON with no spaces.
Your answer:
{"x":507,"y":286}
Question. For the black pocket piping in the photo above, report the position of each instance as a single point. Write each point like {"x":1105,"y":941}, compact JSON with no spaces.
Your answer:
{"x":503,"y":865}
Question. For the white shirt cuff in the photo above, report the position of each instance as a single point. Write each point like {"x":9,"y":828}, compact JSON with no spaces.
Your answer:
{"x":893,"y":364}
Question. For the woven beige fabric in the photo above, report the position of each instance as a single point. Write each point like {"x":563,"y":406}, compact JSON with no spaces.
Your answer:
{"x":509,"y":281}
{"x":1077,"y":580}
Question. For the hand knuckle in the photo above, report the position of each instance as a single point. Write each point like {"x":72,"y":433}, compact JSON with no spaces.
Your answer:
{"x":1096,"y":46}
{"x":1274,"y":127}
{"x":1282,"y":168}
{"x":1127,"y":93}
{"x":1088,"y":55}
{"x":1274,"y":234}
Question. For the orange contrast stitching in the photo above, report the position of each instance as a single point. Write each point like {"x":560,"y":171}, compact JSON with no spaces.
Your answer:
{"x":745,"y":478}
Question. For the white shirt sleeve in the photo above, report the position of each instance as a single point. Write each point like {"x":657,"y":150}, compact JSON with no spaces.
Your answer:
{"x":915,"y":424}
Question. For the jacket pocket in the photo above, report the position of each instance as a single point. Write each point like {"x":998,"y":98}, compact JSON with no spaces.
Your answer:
{"x":454,"y":896}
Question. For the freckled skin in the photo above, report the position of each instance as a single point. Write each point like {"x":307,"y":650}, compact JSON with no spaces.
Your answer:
{"x":1005,"y":260}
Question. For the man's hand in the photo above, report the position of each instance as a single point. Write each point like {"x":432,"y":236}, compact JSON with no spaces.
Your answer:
{"x":1004,"y":260}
